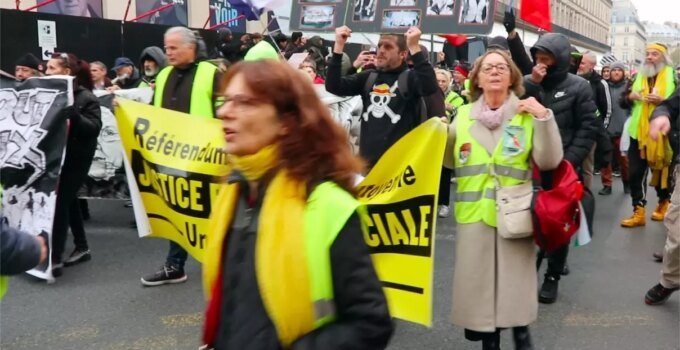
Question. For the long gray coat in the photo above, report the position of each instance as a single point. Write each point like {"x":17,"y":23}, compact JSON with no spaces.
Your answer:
{"x":495,"y":281}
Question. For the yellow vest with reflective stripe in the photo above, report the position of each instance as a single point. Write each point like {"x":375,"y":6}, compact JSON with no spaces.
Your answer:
{"x":327,"y":211}
{"x":201,"y":103}
{"x":475,"y":191}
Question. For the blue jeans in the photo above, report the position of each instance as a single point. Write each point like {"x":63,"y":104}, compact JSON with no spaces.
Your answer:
{"x":177,"y":256}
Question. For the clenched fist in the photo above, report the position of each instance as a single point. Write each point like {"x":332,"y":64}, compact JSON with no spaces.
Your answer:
{"x":413,"y":39}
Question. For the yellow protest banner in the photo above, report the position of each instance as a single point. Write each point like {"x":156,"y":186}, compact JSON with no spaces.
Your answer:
{"x":178,"y":164}
{"x":400,"y":194}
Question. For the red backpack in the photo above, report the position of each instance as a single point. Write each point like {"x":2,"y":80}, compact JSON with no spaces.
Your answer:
{"x":555,"y":207}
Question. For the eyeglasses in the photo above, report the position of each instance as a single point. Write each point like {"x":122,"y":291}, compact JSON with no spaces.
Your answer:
{"x":242,"y":102}
{"x":501,"y":67}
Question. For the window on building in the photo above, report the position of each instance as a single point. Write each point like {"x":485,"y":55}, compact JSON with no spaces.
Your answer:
{"x":626,"y":29}
{"x":625,"y":41}
{"x":625,"y":56}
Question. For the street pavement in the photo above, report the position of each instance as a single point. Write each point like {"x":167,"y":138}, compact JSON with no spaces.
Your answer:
{"x":101,"y":304}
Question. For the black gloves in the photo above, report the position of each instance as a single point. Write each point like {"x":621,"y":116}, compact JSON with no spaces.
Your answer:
{"x":509,"y":21}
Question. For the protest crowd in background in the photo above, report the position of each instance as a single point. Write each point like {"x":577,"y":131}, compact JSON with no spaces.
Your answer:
{"x":302,"y":121}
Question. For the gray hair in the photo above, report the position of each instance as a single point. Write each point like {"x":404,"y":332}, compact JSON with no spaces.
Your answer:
{"x":100,"y":64}
{"x":188,"y":36}
{"x":445,"y":73}
{"x":591,"y":57}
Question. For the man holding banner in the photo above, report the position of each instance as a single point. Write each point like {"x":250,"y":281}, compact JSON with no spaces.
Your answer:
{"x":185,"y":86}
{"x":390,"y":111}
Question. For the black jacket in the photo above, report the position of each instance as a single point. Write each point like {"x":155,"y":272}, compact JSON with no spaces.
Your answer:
{"x":570,"y":97}
{"x":19,"y":251}
{"x":519,"y":55}
{"x":671,"y":108}
{"x":379,"y":132}
{"x":363,"y":320}
{"x":131,"y":82}
{"x":601,"y":95}
{"x":86,"y":122}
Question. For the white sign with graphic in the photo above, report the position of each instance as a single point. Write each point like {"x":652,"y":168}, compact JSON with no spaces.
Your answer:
{"x":47,"y":34}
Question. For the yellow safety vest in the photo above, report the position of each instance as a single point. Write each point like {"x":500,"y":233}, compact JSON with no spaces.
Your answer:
{"x":636,"y":111}
{"x":201,"y":103}
{"x":327,"y":211}
{"x":474,"y":166}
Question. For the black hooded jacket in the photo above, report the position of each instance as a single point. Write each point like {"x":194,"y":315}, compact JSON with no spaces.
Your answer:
{"x":569,"y":97}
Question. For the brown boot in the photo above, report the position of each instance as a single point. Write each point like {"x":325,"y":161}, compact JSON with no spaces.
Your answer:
{"x":637,"y":219}
{"x":660,"y":210}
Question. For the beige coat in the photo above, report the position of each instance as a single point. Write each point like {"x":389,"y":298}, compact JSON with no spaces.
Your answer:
{"x":495,"y":281}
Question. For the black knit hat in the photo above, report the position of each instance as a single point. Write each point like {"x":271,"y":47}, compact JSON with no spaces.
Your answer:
{"x":30,"y":61}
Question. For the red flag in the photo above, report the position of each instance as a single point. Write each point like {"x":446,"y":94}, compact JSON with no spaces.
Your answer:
{"x":536,"y":12}
{"x":454,"y":39}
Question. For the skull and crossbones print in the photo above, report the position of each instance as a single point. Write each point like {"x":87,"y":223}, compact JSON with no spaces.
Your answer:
{"x":380,"y":99}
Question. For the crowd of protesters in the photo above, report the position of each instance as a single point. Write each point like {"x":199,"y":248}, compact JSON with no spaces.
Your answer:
{"x":615,"y":122}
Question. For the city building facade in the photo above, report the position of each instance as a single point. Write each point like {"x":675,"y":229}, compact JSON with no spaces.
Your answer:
{"x":628,"y":37}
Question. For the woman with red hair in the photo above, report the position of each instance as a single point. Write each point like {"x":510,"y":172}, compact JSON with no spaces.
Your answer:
{"x":286,"y":266}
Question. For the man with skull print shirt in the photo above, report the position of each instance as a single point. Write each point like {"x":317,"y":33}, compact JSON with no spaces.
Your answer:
{"x":387,"y":115}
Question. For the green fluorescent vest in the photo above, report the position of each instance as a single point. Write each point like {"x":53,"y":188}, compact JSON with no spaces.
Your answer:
{"x":475,"y":193}
{"x":637,"y":106}
{"x":201,"y":92}
{"x":328,"y":209}
{"x":454,"y":99}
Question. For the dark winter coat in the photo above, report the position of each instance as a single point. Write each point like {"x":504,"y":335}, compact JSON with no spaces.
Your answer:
{"x":619,"y":114}
{"x":569,"y":97}
{"x":363,"y":318}
{"x":86,"y":122}
{"x":132,"y":81}
{"x":519,"y":55}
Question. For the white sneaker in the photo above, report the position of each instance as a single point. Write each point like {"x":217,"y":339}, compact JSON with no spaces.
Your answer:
{"x":453,"y":180}
{"x":444,"y":211}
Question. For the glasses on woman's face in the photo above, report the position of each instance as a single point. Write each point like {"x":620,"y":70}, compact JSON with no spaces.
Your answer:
{"x":242,"y":102}
{"x":500,"y":67}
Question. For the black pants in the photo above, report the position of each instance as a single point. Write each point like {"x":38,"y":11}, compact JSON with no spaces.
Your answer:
{"x":445,"y":187}
{"x":556,"y":261}
{"x":67,"y":210}
{"x":637,"y":177}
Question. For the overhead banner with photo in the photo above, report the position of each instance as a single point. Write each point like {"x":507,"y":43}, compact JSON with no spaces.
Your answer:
{"x":174,"y":15}
{"x":82,"y":8}
{"x":400,"y":194}
{"x":221,"y":11}
{"x":389,"y":16}
{"x":177,"y":171}
{"x":32,"y":145}
{"x":106,"y":178}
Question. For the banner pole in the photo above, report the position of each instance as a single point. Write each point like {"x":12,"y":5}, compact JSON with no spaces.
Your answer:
{"x":126,"y":10}
{"x":38,"y":5}
{"x":227,"y":22}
